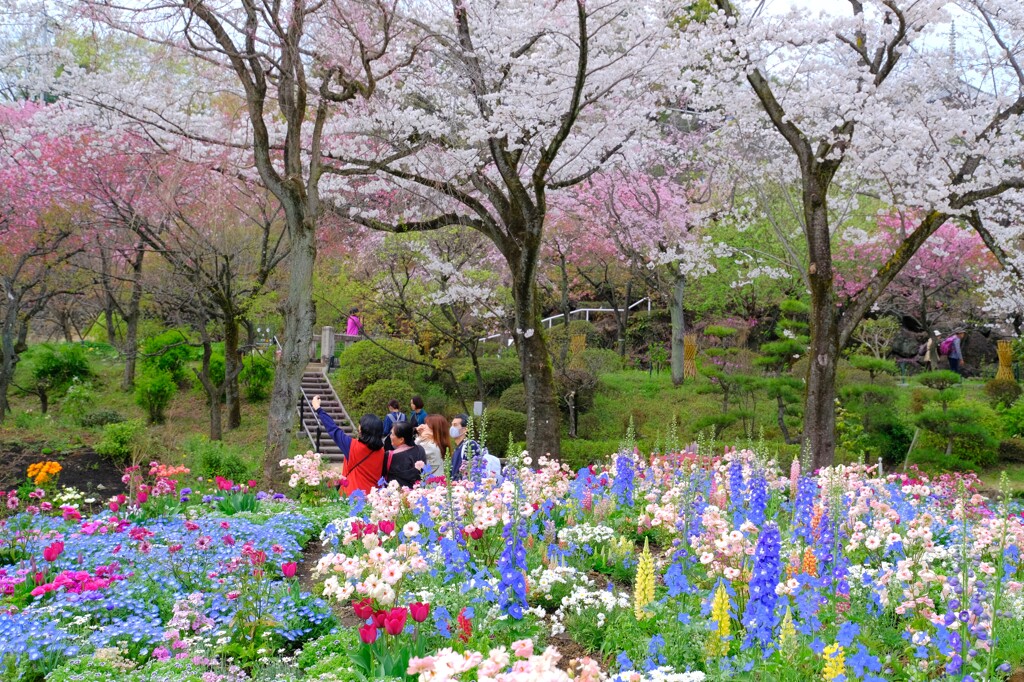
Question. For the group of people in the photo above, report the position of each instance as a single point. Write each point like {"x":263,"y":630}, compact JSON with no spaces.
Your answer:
{"x":950,"y":347}
{"x":404,"y":448}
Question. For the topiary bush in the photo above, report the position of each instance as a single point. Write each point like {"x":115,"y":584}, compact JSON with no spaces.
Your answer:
{"x":119,"y":439}
{"x":374,"y":399}
{"x":500,"y":423}
{"x":1002,"y":392}
{"x":169,"y":352}
{"x":54,"y":367}
{"x":1013,"y":420}
{"x":154,"y":390}
{"x":367,"y":362}
{"x":514,"y":398}
{"x":560,"y":335}
{"x":257,"y":378}
{"x":497,"y":373}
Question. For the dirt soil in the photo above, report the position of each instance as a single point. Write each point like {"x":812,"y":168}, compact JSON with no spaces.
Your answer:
{"x":311,"y":554}
{"x":82,"y":468}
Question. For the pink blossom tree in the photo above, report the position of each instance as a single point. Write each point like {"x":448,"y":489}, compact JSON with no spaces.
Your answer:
{"x":938,"y":284}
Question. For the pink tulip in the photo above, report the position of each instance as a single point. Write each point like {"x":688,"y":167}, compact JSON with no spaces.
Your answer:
{"x":53,"y":551}
{"x":419,"y":611}
{"x":368,"y":633}
{"x":288,"y":569}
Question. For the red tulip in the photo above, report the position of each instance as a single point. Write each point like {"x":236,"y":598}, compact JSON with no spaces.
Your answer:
{"x":252,"y":484}
{"x":419,"y":611}
{"x":368,"y":633}
{"x":258,"y":558}
{"x":53,"y":551}
{"x":288,"y":569}
{"x":476,"y":533}
{"x":39,"y":578}
{"x":378,"y":618}
{"x":114,"y":506}
{"x":394,"y":622}
{"x":386,"y":527}
{"x":363,"y":609}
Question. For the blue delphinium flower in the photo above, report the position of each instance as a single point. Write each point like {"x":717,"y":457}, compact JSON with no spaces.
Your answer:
{"x":759,"y":615}
{"x":625,"y":473}
{"x":512,"y":562}
{"x":758,"y":498}
{"x":803,"y":511}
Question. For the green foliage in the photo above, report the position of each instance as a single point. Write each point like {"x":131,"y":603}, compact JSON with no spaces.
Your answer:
{"x":720,"y":332}
{"x":256,"y":377}
{"x":514,"y":398}
{"x":716,"y":423}
{"x":153,"y":393}
{"x":118,"y":440}
{"x":1013,"y":420}
{"x":1012,"y":450}
{"x":940,"y":380}
{"x":78,"y":399}
{"x":603,"y":361}
{"x":101,"y":418}
{"x":235,"y":503}
{"x":964,"y":429}
{"x":873,"y":366}
{"x":560,"y":336}
{"x":54,"y":367}
{"x":367,"y":362}
{"x":498,"y":374}
{"x":1002,"y":392}
{"x":374,"y":399}
{"x":885,"y":432}
{"x":500,"y":424}
{"x":216,"y":458}
{"x":169,"y":352}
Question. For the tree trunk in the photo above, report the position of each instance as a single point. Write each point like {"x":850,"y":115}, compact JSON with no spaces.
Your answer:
{"x":481,"y":393}
{"x":823,"y":351}
{"x":297,"y":333}
{"x":678,"y":329}
{"x":542,"y":427}
{"x":570,"y":400}
{"x":8,"y":353}
{"x":131,"y":318}
{"x":232,"y":368}
{"x":213,"y":391}
{"x":624,"y":321}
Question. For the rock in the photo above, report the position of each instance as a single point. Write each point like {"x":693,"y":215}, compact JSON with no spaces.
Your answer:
{"x":905,"y":345}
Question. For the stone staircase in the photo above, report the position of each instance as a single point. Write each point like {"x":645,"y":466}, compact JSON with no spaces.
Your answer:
{"x":315,"y":382}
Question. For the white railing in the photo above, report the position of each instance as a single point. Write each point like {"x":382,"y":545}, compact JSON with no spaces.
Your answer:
{"x":549,"y":322}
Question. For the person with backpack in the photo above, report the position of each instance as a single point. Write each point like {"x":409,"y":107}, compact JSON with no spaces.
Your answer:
{"x":953,"y":349}
{"x":406,"y":462}
{"x":364,"y":456}
{"x":393,"y":416}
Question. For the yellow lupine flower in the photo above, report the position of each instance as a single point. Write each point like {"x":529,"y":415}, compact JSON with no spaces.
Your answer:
{"x":718,"y":642}
{"x":787,"y":634}
{"x":835,"y":662}
{"x":643,"y":588}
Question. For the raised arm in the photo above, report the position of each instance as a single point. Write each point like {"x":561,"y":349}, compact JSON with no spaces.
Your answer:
{"x":342,"y":439}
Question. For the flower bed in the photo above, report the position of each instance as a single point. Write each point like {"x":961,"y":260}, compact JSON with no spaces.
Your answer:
{"x":673,"y":567}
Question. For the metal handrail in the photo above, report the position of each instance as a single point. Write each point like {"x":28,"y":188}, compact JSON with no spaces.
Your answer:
{"x":303,"y":401}
{"x":548,"y":322}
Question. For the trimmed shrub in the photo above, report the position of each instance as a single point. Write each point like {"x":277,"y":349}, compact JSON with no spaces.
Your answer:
{"x":500,"y":423}
{"x":54,"y":367}
{"x":257,"y":378}
{"x":101,"y":418}
{"x":1011,"y":450}
{"x":560,"y":335}
{"x":169,"y":352}
{"x":119,"y":439}
{"x":79,"y":397}
{"x":153,"y":393}
{"x":601,"y":361}
{"x":498,"y":374}
{"x":374,"y":399}
{"x":1013,"y":420}
{"x":367,"y":362}
{"x":514,"y":398}
{"x":1002,"y":392}
{"x":215,"y":458}
{"x":578,"y":453}
{"x":970,"y":427}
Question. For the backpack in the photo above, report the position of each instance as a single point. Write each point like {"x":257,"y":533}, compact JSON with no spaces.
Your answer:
{"x":947,"y":346}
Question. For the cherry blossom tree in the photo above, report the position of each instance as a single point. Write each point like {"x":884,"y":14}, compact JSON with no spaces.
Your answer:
{"x":40,"y":230}
{"x":263,"y":81}
{"x":651,"y":222}
{"x":513,"y":100}
{"x":873,"y":97}
{"x":938,"y":285}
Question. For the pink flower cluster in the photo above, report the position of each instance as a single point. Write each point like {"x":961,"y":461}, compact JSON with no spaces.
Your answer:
{"x":81,"y":581}
{"x":307,"y":469}
{"x":448,"y":664}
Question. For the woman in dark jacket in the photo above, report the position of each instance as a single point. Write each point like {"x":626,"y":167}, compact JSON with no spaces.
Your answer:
{"x":405,"y":463}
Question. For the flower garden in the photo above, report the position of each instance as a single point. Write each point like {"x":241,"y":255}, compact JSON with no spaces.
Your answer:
{"x":685,"y":566}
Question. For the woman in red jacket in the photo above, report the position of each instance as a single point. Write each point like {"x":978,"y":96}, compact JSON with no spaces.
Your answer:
{"x":364,"y":457}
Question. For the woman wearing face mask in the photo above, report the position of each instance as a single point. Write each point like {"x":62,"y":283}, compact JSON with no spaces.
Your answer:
{"x":364,"y":456}
{"x":433,"y":436}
